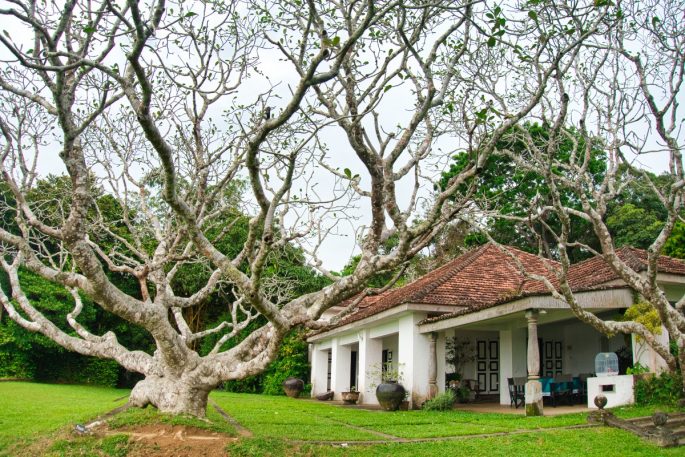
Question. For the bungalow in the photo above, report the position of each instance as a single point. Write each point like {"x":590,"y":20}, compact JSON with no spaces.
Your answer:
{"x":514,"y":325}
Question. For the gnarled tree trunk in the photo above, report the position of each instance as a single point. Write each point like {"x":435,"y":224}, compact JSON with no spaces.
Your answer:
{"x":171,"y":395}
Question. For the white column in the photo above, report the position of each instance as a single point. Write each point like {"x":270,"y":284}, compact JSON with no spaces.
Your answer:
{"x":506,"y":365}
{"x":414,"y":350}
{"x":340,"y":368}
{"x":441,"y":361}
{"x":370,"y":357}
{"x":646,"y":356}
{"x":319,"y":370}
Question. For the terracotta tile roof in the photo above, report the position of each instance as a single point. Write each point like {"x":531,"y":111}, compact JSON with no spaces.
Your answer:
{"x":475,"y":279}
{"x":592,"y":273}
{"x":487,"y":276}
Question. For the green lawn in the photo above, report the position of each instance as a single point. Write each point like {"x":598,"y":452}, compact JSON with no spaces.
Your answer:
{"x":28,"y":410}
{"x":284,"y":426}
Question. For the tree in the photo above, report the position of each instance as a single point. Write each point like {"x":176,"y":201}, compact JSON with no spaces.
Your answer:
{"x":625,"y":90}
{"x":166,"y":105}
{"x":505,"y":189}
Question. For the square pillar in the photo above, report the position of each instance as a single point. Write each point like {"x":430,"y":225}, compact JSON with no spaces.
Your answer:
{"x":433,"y":365}
{"x":506,"y":365}
{"x":319,"y":370}
{"x":370,"y":358}
{"x":414,"y":351}
{"x":340,"y":368}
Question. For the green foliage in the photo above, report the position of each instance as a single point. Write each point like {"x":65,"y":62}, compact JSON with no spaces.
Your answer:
{"x":634,"y":218}
{"x":667,"y":388}
{"x":34,"y":356}
{"x":501,"y":184}
{"x":644,"y":313}
{"x":31,"y":355}
{"x":442,"y":402}
{"x":99,"y":372}
{"x":291,"y":362}
{"x":634,"y":226}
{"x":675,"y":244}
{"x":380,"y":278}
{"x":637,"y":368}
{"x":16,"y":364}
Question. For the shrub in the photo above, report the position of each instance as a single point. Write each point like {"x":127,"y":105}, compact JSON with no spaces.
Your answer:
{"x":442,"y":402}
{"x":292,"y":361}
{"x":663,"y":389}
{"x":99,"y":372}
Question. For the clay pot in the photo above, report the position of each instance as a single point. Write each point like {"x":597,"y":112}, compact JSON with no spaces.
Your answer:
{"x":390,"y":395}
{"x":293,"y":387}
{"x":350,"y":398}
{"x":600,"y":401}
{"x":325,"y":396}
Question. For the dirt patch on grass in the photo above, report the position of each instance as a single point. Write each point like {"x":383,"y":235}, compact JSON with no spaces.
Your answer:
{"x":163,"y":440}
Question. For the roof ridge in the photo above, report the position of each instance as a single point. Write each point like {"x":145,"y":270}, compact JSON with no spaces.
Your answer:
{"x":473,"y":255}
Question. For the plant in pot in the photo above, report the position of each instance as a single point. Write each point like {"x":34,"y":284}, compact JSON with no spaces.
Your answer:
{"x":458,"y":353}
{"x":390,"y":392}
{"x":351,"y":397}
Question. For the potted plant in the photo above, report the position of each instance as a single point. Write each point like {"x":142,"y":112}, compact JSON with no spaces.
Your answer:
{"x":351,"y":397}
{"x":458,"y":352}
{"x":390,"y":393}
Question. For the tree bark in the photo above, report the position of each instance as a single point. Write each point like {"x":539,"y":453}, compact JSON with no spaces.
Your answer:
{"x":171,"y":395}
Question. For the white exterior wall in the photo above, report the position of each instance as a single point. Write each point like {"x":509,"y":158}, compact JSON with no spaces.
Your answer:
{"x":646,"y":356}
{"x":391,"y":344}
{"x":622,"y":393}
{"x":519,"y":337}
{"x":414,"y":349}
{"x":513,"y":356}
{"x":581,"y":343}
{"x":369,"y":357}
{"x":340,"y":368}
{"x":506,"y":364}
{"x":319,"y":370}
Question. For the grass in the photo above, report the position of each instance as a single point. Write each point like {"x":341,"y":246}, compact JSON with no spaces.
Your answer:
{"x":136,"y":417}
{"x":109,"y":446}
{"x":29,"y":410}
{"x":273,"y":417}
{"x":597,"y":442}
{"x":284,"y":426}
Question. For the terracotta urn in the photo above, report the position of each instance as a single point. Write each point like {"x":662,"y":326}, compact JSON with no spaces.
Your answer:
{"x":293,"y":387}
{"x":390,"y":395}
{"x":350,"y":397}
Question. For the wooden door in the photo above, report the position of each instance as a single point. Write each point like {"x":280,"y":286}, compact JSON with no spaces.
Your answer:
{"x":487,"y":366}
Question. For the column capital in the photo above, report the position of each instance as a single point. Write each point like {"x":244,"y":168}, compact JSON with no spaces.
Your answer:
{"x":532,"y":313}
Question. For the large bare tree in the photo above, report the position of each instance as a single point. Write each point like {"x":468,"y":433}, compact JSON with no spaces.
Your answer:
{"x":329,"y":112}
{"x":623,"y":94}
